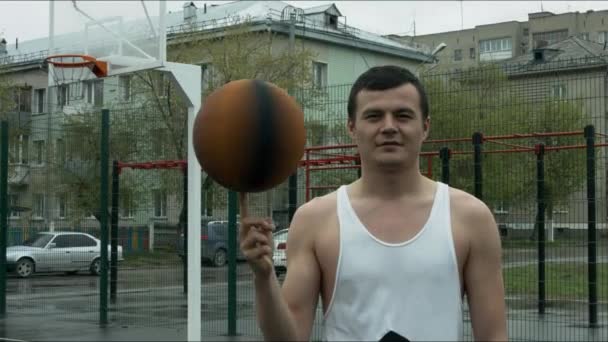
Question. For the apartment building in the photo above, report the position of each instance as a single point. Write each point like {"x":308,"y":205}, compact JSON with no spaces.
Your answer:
{"x":505,"y":40}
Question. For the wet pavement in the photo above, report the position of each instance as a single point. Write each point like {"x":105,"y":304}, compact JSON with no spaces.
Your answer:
{"x":151,"y":306}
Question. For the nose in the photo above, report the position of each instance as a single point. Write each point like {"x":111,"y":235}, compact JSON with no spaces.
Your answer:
{"x":388,"y":125}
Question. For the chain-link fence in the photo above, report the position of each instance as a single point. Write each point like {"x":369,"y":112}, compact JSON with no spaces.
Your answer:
{"x":517,"y":138}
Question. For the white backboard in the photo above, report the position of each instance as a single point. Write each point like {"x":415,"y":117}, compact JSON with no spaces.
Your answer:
{"x":129,"y":35}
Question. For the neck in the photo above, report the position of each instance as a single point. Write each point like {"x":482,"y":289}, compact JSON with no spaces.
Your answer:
{"x":375,"y":182}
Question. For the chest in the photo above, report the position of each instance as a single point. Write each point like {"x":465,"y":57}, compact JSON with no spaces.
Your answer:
{"x":389,"y":228}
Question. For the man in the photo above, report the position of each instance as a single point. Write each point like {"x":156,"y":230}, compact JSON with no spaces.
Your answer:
{"x":392,"y":254}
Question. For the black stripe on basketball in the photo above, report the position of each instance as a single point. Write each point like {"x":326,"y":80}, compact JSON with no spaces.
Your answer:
{"x":264,"y":156}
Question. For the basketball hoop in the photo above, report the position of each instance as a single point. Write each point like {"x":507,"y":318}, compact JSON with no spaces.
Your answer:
{"x":71,"y":68}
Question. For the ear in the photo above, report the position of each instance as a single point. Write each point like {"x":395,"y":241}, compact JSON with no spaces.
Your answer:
{"x":350,"y":126}
{"x":426,"y":127}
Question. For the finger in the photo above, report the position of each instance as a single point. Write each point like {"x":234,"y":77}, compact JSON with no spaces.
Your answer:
{"x":254,"y":239}
{"x":258,"y":253}
{"x":258,"y":223}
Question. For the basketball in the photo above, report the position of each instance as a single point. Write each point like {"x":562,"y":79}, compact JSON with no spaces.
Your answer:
{"x":249,"y":135}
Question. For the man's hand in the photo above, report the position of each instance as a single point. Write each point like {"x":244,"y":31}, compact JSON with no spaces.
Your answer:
{"x":256,"y":239}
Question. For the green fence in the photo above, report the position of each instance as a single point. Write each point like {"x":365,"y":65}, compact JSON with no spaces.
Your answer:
{"x":516,"y":138}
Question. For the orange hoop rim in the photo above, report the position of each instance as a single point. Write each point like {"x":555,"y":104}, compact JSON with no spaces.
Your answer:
{"x":99,"y":68}
{"x":88,"y":61}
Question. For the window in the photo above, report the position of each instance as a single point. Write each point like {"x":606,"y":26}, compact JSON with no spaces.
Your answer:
{"x":98,"y":91}
{"x":550,"y":37}
{"x":160,"y":84}
{"x":126,"y":205}
{"x":39,"y":100}
{"x":39,"y":152}
{"x":602,"y":37}
{"x":13,"y":201}
{"x":23,"y":99}
{"x":472,"y":53}
{"x":18,"y":150}
{"x":94,"y":92}
{"x":319,"y":74}
{"x":558,"y":91}
{"x":62,"y":205}
{"x":63,"y":241}
{"x":63,"y":95}
{"x":60,"y":151}
{"x":332,"y":20}
{"x":38,"y":207}
{"x":526,"y":32}
{"x":160,"y":203}
{"x":159,"y":145}
{"x":81,"y":241}
{"x":458,"y":55}
{"x":584,"y":35}
{"x":124,"y":85}
{"x":495,"y":45}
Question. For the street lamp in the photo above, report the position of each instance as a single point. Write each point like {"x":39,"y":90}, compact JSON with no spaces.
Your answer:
{"x":434,"y":53}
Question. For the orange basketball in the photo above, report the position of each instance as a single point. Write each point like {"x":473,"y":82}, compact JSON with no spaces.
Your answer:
{"x":249,"y":135}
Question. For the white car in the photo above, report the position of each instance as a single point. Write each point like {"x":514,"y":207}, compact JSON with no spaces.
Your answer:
{"x":68,"y":252}
{"x":279,"y":257}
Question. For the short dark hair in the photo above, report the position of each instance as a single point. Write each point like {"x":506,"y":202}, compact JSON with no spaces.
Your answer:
{"x":383,"y":78}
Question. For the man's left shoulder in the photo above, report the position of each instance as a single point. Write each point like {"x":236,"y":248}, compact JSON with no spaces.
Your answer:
{"x":469,"y":209}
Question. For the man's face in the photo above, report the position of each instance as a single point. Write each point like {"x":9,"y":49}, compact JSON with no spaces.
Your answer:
{"x":389,"y":128}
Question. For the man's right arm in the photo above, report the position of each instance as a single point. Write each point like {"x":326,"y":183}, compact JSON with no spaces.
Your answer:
{"x":288,"y":314}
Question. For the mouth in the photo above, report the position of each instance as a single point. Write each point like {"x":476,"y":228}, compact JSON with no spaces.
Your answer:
{"x":390,"y":143}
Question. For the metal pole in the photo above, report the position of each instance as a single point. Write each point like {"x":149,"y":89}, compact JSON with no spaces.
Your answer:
{"x":184,"y":228}
{"x":541,"y":205}
{"x":477,"y":141}
{"x":293,"y":179}
{"x":444,"y":154}
{"x":232,"y":246}
{"x":103,"y":216}
{"x":114,"y":231}
{"x":3,"y":213}
{"x":591,"y":229}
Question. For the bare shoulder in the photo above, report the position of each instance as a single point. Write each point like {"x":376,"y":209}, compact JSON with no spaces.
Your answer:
{"x":471,"y":211}
{"x":311,"y":216}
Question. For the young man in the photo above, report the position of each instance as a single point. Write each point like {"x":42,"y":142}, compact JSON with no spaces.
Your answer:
{"x":391,"y":254}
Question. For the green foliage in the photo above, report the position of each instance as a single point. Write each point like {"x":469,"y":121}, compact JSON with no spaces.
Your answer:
{"x":482,"y":99}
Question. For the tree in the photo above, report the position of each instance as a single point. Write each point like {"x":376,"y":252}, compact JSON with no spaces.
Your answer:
{"x":156,"y":109}
{"x":240,"y":52}
{"x":483,"y":99}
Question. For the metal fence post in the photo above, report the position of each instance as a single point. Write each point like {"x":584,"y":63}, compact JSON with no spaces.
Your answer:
{"x":103,"y":216}
{"x":3,"y":212}
{"x":477,"y":141}
{"x":541,"y":205}
{"x":591,"y":229}
{"x":184,"y":226}
{"x":293,"y":196}
{"x":444,"y":154}
{"x":114,"y":231}
{"x":232,"y":246}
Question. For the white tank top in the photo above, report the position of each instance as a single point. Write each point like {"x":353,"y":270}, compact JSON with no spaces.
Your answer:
{"x":411,"y":288}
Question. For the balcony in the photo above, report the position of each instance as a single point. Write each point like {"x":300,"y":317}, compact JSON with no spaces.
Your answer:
{"x":18,"y":174}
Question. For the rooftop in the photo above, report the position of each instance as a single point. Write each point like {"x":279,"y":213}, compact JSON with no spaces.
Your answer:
{"x":217,"y":16}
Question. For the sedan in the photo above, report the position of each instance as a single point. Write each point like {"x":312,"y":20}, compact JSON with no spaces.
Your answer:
{"x":279,"y":257}
{"x":68,"y":252}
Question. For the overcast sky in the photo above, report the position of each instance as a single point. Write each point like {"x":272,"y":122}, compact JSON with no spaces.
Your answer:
{"x":29,"y":19}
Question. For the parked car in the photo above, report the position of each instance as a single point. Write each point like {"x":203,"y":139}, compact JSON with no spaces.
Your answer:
{"x":68,"y":252}
{"x":214,"y":243}
{"x":279,"y":256}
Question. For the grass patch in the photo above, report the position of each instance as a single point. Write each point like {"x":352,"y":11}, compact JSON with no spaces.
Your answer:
{"x":562,"y":281}
{"x":156,"y":258}
{"x":527,"y":243}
